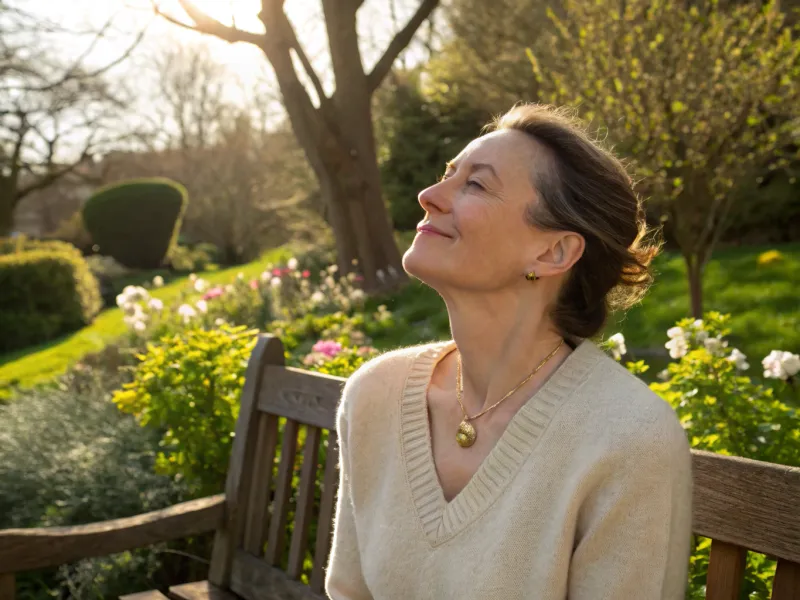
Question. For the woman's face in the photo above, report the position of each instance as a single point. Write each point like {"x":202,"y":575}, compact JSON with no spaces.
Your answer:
{"x":474,"y":235}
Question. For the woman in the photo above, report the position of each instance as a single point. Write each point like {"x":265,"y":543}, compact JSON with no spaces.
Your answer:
{"x":517,"y":461}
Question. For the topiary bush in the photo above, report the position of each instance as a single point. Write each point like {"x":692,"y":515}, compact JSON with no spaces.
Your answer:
{"x":136,"y":221}
{"x":48,"y":290}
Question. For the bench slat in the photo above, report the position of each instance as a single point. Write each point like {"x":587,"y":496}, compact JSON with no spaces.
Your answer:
{"x":330,"y":484}
{"x":786,"y":585}
{"x":305,"y":502}
{"x":254,"y":579}
{"x":200,"y":590}
{"x":7,"y":586}
{"x":725,"y":571}
{"x":747,"y":503}
{"x":310,"y":398}
{"x":41,"y":547}
{"x":151,"y":595}
{"x":280,"y":505}
{"x":229,"y":537}
{"x":255,"y":531}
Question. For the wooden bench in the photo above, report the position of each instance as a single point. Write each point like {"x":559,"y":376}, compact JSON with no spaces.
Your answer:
{"x":260,"y":553}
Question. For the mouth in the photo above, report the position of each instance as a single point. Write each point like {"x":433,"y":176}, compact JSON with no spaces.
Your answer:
{"x":429,"y":229}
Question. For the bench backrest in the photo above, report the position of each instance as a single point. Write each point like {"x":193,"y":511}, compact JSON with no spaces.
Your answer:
{"x":276,"y":535}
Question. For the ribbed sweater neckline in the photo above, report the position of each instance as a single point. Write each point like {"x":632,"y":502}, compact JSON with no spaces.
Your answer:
{"x":442,"y":520}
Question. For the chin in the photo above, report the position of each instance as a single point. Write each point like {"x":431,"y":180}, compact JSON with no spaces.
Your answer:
{"x":424,"y":262}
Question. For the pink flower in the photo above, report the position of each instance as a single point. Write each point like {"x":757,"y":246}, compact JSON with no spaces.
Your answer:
{"x":306,"y":274}
{"x":276,"y":272}
{"x":359,"y":278}
{"x":214,"y":292}
{"x":327,"y":347}
{"x":254,"y":284}
{"x":285,"y":271}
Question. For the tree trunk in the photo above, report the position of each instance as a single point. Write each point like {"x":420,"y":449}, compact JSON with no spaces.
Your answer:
{"x":694,"y":271}
{"x":6,"y":215}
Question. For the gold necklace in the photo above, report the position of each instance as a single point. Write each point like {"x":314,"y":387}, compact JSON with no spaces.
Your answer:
{"x":467,"y":435}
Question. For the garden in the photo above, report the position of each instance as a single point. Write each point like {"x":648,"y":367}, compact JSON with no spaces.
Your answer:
{"x":126,"y":326}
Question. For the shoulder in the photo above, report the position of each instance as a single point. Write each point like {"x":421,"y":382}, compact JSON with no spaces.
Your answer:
{"x":628,"y":417}
{"x":381,"y":376}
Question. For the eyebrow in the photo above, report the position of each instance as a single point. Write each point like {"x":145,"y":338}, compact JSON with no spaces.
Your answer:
{"x":476,"y":167}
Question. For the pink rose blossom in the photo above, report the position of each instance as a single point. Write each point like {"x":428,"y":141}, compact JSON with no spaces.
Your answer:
{"x":254,"y":284}
{"x":276,"y":272}
{"x":306,"y":274}
{"x":327,"y":347}
{"x":214,"y":292}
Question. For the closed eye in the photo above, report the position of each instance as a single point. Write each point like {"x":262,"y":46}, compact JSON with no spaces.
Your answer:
{"x":476,"y":184}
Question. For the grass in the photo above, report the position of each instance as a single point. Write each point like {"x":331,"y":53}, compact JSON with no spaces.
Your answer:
{"x":762,"y":299}
{"x":43,"y":362}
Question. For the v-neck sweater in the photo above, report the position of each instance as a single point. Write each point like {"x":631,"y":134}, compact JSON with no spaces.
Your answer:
{"x":585,"y":495}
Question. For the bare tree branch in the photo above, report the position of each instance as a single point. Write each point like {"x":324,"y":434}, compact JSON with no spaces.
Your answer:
{"x":312,"y":75}
{"x":205,"y":24}
{"x":400,"y":41}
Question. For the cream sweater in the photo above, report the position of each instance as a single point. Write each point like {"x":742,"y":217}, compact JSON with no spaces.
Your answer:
{"x":586,"y":496}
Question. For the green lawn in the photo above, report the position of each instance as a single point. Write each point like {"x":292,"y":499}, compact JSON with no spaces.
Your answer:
{"x":764,"y":302}
{"x":43,"y":362}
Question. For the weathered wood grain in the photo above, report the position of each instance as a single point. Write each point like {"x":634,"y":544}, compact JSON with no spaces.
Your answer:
{"x":725,"y":571}
{"x":305,"y":502}
{"x":255,"y":531}
{"x":151,"y":595}
{"x":309,"y":398}
{"x":786,"y":585}
{"x":283,"y":488}
{"x":36,"y":548}
{"x":7,"y":586}
{"x":330,"y":483}
{"x":748,"y":503}
{"x":254,"y":579}
{"x":229,"y":537}
{"x":200,"y":590}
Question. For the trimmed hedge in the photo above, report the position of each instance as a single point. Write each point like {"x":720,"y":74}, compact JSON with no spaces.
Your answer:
{"x":48,"y":290}
{"x":136,"y":221}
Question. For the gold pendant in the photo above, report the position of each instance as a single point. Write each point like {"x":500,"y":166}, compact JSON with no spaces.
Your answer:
{"x":466,"y":434}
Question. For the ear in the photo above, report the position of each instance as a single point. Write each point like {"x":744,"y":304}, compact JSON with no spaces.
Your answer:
{"x":563,"y":250}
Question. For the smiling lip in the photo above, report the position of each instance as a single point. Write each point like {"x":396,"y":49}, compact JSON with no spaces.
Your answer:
{"x":431,"y":229}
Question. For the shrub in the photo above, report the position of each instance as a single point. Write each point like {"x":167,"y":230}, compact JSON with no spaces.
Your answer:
{"x":48,"y":290}
{"x":136,"y":221}
{"x":67,"y":457}
{"x":73,"y":231}
{"x":188,"y":259}
{"x":188,"y":386}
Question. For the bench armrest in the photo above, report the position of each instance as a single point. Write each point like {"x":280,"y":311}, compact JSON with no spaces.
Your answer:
{"x":40,"y":547}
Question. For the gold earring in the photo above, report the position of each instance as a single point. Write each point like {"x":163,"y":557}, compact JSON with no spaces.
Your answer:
{"x":531,"y":276}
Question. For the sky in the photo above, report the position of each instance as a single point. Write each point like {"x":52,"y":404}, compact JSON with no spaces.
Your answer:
{"x":376,"y":29}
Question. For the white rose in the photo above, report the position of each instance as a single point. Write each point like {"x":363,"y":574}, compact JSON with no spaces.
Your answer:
{"x":616,"y":344}
{"x":677,"y":347}
{"x":200,"y":285}
{"x":739,"y":359}
{"x":773,"y":365}
{"x":292,"y":264}
{"x":156,"y":304}
{"x":317,"y":297}
{"x":675,"y":332}
{"x":791,"y":363}
{"x":276,"y":282}
{"x":266,"y":276}
{"x":187,"y":312}
{"x":202,"y":306}
{"x":158,"y":281}
{"x":139,"y":326}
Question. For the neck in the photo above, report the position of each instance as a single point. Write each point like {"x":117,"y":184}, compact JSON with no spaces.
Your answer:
{"x":502,"y":338}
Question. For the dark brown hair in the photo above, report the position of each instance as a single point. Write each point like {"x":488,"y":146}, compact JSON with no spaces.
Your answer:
{"x":586,"y":189}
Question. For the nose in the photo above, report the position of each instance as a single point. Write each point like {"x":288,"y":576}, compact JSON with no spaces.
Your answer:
{"x":436,"y":198}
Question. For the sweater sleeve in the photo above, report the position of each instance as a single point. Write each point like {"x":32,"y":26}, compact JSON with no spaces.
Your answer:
{"x":343,"y":579}
{"x":634,"y":530}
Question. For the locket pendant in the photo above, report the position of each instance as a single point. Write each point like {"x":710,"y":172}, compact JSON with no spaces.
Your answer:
{"x":466,"y":434}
